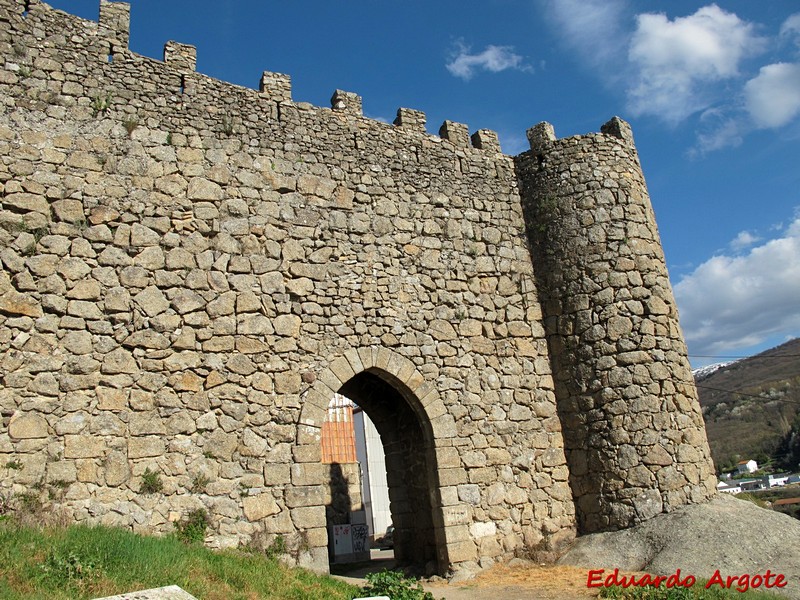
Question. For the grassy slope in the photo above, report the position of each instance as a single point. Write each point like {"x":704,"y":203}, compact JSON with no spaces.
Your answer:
{"x":740,"y":426}
{"x":83,"y":562}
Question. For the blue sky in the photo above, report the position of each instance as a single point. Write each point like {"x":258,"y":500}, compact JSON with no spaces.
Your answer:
{"x":712,"y":92}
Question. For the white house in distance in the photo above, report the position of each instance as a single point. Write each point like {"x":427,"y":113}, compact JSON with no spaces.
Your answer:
{"x":729,"y":488}
{"x":747,"y":466}
{"x":776,"y":480}
{"x":750,"y":485}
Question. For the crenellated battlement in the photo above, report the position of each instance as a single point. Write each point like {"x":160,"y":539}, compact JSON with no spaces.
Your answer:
{"x":111,"y":33}
{"x":116,"y":18}
{"x":542,"y":136}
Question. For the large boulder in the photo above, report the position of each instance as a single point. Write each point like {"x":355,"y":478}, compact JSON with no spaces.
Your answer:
{"x":733,"y":536}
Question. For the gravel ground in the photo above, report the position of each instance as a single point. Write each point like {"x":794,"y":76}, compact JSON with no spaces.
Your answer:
{"x":519,"y":583}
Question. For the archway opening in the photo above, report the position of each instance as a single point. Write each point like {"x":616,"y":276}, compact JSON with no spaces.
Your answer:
{"x":409,"y":466}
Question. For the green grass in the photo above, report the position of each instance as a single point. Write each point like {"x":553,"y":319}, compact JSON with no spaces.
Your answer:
{"x":91,"y":562}
{"x":696,"y":592}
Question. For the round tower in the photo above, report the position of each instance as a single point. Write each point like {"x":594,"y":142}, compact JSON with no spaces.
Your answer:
{"x":633,"y":430}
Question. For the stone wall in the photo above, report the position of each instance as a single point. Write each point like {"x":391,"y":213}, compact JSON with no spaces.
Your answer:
{"x":192,"y":269}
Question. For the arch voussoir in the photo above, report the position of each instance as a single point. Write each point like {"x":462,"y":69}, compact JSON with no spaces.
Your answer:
{"x":383,"y":358}
{"x":367,"y":356}
{"x":342,"y":369}
{"x":330,"y":380}
{"x":355,"y":361}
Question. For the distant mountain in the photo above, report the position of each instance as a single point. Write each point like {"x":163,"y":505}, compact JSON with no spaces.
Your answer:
{"x":752,"y":408}
{"x":703,"y":372}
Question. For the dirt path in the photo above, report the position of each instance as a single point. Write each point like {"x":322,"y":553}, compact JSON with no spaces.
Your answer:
{"x":518,"y":583}
{"x":505,"y":583}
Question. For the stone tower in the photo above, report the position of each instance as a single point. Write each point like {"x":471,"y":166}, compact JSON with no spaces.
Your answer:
{"x":633,"y":430}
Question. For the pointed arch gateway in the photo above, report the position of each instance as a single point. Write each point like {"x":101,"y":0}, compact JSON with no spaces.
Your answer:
{"x":417,"y":433}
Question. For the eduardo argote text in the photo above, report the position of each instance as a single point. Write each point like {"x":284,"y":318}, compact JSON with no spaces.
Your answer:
{"x":599,"y":578}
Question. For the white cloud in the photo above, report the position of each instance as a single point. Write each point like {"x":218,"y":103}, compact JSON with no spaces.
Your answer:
{"x":680,"y":63}
{"x":717,"y":130}
{"x":773,"y":96}
{"x":791,"y":28}
{"x":593,"y":27}
{"x":674,"y":67}
{"x":493,"y":59}
{"x":513,"y":143}
{"x":743,"y":240}
{"x":730,"y":303}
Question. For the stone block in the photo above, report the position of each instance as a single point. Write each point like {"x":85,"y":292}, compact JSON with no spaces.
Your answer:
{"x":145,"y":447}
{"x":83,"y":446}
{"x":152,"y":301}
{"x":24,"y":426}
{"x":460,"y":514}
{"x":309,"y":517}
{"x":117,"y":469}
{"x":442,"y":330}
{"x":222,"y":444}
{"x":280,"y":523}
{"x":307,"y":474}
{"x":454,"y":476}
{"x":148,"y":339}
{"x":78,"y":342}
{"x":146,"y":423}
{"x":287,"y":383}
{"x":258,"y":507}
{"x":69,"y":210}
{"x":469,"y":493}
{"x":307,"y":453}
{"x":187,"y":381}
{"x":309,"y":495}
{"x":119,"y":360}
{"x":24,"y":202}
{"x":461,"y":551}
{"x":277,"y":474}
{"x":657,"y":455}
{"x":87,"y":289}
{"x":15,"y":303}
{"x":62,"y":471}
{"x":111,"y":399}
